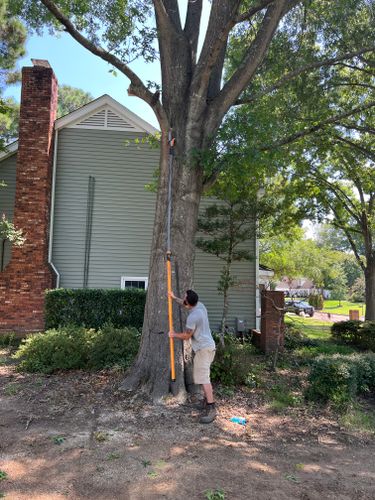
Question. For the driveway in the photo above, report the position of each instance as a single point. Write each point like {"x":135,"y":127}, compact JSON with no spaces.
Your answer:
{"x":332,"y":318}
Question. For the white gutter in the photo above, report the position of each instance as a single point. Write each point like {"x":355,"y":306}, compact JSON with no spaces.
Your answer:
{"x":52,"y":212}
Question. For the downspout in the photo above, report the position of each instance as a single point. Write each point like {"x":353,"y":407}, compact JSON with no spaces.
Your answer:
{"x":52,"y":212}
{"x":258,"y":310}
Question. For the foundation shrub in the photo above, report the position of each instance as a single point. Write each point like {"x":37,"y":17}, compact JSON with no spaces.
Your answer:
{"x":356,"y":333}
{"x":339,"y":379}
{"x":75,"y":347}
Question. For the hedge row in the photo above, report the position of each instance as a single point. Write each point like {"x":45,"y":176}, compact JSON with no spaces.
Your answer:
{"x":93,"y":308}
{"x":340,"y":378}
{"x":357,"y":333}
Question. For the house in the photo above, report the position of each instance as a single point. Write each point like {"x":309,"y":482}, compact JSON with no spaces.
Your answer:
{"x":299,"y":287}
{"x":76,"y":185}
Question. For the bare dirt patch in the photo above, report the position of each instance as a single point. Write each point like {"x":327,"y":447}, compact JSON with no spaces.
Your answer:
{"x":74,"y":435}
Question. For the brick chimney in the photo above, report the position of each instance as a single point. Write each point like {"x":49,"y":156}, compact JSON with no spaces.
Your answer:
{"x":28,"y":274}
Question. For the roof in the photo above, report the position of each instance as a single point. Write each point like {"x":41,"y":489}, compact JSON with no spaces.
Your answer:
{"x":101,"y":113}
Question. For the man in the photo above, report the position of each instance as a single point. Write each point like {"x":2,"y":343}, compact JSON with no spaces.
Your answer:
{"x":198,"y":330}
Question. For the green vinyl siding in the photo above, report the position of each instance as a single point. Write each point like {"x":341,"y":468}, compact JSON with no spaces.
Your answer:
{"x":242,"y":297}
{"x":123,"y":210}
{"x":7,"y":197}
{"x":122,"y":220}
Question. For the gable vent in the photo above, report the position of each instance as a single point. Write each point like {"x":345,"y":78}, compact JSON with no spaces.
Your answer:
{"x":96,"y":120}
{"x":106,"y":119}
{"x":115,"y":121}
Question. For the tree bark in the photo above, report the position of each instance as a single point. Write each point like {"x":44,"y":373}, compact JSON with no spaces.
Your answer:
{"x":151,"y":370}
{"x":370,"y":289}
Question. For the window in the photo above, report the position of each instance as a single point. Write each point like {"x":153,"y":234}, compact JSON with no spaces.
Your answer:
{"x":134,"y":282}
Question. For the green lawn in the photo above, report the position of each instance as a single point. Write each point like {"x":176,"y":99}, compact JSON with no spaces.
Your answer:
{"x":332,"y":306}
{"x":313,"y":328}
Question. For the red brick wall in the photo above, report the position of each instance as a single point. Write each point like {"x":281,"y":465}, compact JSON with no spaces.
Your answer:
{"x":24,"y":280}
{"x":272,"y":322}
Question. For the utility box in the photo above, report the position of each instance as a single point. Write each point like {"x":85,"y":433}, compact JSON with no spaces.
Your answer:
{"x":241,"y":326}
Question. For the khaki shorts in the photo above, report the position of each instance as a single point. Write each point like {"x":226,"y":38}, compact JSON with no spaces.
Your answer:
{"x":201,"y":365}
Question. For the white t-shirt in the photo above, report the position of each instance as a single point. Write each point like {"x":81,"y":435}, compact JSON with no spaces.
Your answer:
{"x":197,"y":321}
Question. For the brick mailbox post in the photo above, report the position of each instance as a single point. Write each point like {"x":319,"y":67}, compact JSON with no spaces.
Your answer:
{"x":272,"y":322}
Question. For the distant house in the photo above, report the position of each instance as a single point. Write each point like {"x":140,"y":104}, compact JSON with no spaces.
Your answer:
{"x":299,"y":287}
{"x":76,"y":185}
{"x":266,"y":275}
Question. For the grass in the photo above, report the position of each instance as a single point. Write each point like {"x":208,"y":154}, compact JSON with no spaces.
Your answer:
{"x":314,"y":328}
{"x":282,"y":397}
{"x":327,"y":348}
{"x":358,"y":419}
{"x":12,"y":389}
{"x":334,"y":307}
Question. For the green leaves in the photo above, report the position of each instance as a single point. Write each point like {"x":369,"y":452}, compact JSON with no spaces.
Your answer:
{"x":9,"y":232}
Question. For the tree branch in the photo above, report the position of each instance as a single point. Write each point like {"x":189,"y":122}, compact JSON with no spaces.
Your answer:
{"x":246,"y":70}
{"x":193,"y":19}
{"x":315,"y":128}
{"x":340,"y":194}
{"x":341,"y":225}
{"x":254,"y":10}
{"x":366,"y":153}
{"x":366,"y":130}
{"x":293,"y":74}
{"x":169,"y":14}
{"x":136,"y":87}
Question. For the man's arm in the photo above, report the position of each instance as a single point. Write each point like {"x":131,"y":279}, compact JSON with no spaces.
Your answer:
{"x":182,"y":336}
{"x":177,"y":299}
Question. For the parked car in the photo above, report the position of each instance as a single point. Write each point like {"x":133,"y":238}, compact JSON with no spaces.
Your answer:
{"x":298,"y":307}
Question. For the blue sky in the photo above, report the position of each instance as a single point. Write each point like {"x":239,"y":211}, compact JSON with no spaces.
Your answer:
{"x":76,"y":66}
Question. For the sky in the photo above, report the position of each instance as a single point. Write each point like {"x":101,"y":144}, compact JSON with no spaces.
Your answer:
{"x":77,"y":67}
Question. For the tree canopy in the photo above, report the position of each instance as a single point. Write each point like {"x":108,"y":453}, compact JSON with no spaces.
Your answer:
{"x":268,"y":46}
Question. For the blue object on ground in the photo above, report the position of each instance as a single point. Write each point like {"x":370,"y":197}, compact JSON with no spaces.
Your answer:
{"x":238,"y":420}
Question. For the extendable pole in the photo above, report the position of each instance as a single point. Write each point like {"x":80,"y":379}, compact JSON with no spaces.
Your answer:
{"x":169,"y":253}
{"x":170,"y":315}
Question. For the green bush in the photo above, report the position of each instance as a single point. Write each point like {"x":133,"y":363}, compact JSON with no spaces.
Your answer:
{"x":366,"y":336}
{"x":232,"y":364}
{"x":93,"y":308}
{"x":54,"y":350}
{"x":294,"y":338}
{"x":356,"y":333}
{"x":9,"y":340}
{"x":75,"y":347}
{"x":113,"y":346}
{"x":317,"y":301}
{"x":340,"y":378}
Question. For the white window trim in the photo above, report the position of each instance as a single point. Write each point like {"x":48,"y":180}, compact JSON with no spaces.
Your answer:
{"x":133,"y":278}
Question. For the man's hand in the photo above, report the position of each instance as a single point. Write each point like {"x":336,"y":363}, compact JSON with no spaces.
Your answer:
{"x":172,"y":335}
{"x":172,"y":295}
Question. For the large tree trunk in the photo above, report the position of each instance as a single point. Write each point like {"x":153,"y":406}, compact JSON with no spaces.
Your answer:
{"x":151,"y":370}
{"x":370,"y":289}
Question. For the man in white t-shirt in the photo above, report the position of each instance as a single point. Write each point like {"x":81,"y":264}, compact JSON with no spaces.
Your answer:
{"x":198,"y":330}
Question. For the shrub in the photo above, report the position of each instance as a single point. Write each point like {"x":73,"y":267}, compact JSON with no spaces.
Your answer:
{"x":232,"y":364}
{"x":93,"y":308}
{"x":366,"y":336}
{"x":355,"y":333}
{"x":75,"y":347}
{"x":340,"y":378}
{"x":317,"y":301}
{"x":9,"y":340}
{"x":295,"y":339}
{"x":54,"y":350}
{"x":113,"y":346}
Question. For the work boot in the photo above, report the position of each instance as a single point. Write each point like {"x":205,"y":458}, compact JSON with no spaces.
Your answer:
{"x":209,"y":415}
{"x":200,"y":405}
